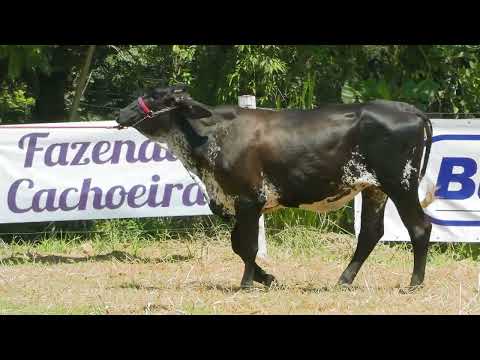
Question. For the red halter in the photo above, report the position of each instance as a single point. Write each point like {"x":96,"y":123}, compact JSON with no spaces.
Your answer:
{"x":149,"y":114}
{"x":144,"y":107}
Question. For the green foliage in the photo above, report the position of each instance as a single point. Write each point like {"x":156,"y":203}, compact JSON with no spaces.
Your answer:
{"x":48,"y":74}
{"x":16,"y":101}
{"x":183,"y":58}
{"x":421,"y":92}
{"x":15,"y":104}
{"x":337,"y":221}
{"x":436,"y":78}
{"x":255,"y":70}
{"x":24,"y":58}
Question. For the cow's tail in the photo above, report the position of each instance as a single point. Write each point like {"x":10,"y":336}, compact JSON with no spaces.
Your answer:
{"x":428,"y":143}
{"x":430,"y":196}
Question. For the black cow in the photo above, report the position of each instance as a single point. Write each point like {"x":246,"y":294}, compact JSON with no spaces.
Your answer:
{"x":255,"y":161}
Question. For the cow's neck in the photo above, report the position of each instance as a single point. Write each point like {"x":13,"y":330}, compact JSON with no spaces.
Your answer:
{"x":193,"y":138}
{"x":187,"y":144}
{"x":198,"y":154}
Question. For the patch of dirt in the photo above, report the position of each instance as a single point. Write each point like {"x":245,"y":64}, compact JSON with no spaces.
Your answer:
{"x":167,"y":279}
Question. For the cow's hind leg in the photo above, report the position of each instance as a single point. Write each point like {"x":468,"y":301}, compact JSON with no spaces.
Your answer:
{"x":373,"y":207}
{"x":419,"y":229}
{"x":245,"y":243}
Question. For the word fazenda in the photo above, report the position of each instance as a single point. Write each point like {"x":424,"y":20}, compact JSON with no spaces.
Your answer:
{"x":83,"y":153}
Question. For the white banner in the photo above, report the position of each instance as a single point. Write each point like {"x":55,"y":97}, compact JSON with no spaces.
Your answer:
{"x":77,"y":174}
{"x":83,"y":173}
{"x":452,"y":170}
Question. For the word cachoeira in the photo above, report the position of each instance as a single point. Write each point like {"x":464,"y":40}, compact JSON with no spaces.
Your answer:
{"x":87,"y":196}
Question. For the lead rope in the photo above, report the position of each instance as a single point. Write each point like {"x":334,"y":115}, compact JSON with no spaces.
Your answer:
{"x":149,"y":115}
{"x":57,"y":127}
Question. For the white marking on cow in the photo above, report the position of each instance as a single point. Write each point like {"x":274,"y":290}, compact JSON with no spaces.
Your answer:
{"x":212,"y":190}
{"x":329,"y":204}
{"x":178,"y":146}
{"x":407,"y":173}
{"x":200,"y":184}
{"x":379,"y":197}
{"x":213,"y":151}
{"x":355,"y":172}
{"x":355,"y":178}
{"x":216,"y":193}
{"x":271,"y":196}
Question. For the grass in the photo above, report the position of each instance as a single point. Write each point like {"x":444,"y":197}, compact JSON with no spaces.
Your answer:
{"x":19,"y":309}
{"x":125,"y":270}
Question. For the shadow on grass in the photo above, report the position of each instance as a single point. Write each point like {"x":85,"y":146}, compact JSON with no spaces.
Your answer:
{"x":191,"y":285}
{"x":232,"y":289}
{"x":120,"y":256}
{"x":136,"y":286}
{"x":401,"y":290}
{"x":226,"y":289}
{"x":195,"y":285}
{"x":229,"y":289}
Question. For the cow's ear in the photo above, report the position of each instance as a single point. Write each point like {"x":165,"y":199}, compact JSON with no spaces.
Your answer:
{"x":193,"y":109}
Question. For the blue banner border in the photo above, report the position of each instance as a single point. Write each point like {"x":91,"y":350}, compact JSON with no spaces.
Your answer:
{"x":454,"y":222}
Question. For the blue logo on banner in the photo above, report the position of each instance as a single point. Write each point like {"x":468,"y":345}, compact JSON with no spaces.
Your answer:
{"x":447,"y":176}
{"x":458,"y":171}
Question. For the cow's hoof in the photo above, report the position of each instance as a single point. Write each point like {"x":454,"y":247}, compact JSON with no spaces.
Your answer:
{"x":246,"y":285}
{"x":344,"y":281}
{"x":342,"y":286}
{"x":410,"y":289}
{"x":270,"y":281}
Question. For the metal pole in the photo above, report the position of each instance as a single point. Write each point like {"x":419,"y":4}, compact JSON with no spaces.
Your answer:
{"x":249,"y":101}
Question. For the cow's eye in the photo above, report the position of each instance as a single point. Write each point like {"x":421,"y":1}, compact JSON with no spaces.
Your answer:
{"x":157,"y":95}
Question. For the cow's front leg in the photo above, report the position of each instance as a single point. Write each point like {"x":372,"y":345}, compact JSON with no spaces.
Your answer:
{"x":245,"y":242}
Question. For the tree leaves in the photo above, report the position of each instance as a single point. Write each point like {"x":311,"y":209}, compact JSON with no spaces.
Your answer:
{"x":15,"y":105}
{"x":22,"y":58}
{"x":435,"y":78}
{"x":349,"y":94}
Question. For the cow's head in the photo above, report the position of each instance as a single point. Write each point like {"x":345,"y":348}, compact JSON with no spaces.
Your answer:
{"x":157,"y":112}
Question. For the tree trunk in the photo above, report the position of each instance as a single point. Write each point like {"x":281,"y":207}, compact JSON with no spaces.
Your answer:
{"x":50,"y":89}
{"x":50,"y":98}
{"x":82,"y":82}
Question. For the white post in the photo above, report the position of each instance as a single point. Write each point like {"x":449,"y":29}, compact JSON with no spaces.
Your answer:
{"x":249,"y":101}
